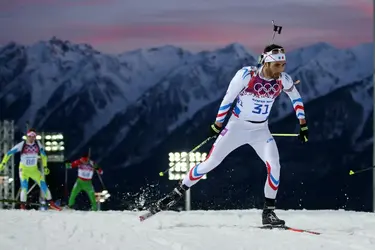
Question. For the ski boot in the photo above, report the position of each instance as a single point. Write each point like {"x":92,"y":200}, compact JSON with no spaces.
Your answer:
{"x":52,"y":205}
{"x":172,"y":198}
{"x":269,"y":217}
{"x":23,"y":206}
{"x":165,"y":203}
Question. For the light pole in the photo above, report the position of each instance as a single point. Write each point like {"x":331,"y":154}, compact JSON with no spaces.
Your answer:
{"x":373,"y":130}
{"x":180,"y":164}
{"x":7,"y":185}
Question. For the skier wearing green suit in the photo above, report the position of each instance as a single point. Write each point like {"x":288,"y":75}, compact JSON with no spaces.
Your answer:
{"x":86,"y":169}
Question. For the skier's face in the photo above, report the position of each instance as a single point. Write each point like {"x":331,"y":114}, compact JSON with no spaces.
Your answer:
{"x":84,"y":160}
{"x":30,"y":139}
{"x":31,"y":136}
{"x":276,"y":68}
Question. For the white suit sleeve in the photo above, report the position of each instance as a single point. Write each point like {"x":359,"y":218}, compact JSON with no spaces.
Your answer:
{"x":294,"y":96}
{"x":16,"y":149}
{"x":236,"y":85}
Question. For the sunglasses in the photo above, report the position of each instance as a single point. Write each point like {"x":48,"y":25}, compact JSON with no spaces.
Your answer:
{"x":276,"y":51}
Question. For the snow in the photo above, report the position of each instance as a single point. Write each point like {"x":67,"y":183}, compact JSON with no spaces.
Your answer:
{"x":193,"y":230}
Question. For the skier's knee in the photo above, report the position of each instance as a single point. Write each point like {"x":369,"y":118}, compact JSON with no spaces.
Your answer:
{"x":24,"y":185}
{"x":273,"y":165}
{"x":209,"y":164}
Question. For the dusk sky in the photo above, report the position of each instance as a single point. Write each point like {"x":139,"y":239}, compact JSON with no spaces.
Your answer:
{"x":116,"y":26}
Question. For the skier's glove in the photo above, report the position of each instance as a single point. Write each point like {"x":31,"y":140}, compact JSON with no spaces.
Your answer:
{"x":68,"y":164}
{"x":98,"y":169}
{"x":46,"y":171}
{"x":214,"y":130}
{"x":303,"y":133}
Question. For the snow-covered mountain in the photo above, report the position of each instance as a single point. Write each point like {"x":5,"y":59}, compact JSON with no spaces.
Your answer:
{"x":134,"y":107}
{"x":126,"y":105}
{"x":203,"y":81}
{"x":55,"y":81}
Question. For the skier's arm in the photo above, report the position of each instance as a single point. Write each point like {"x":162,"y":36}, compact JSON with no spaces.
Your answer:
{"x":42,"y":154}
{"x":236,"y":85}
{"x":75,"y":163}
{"x":97,"y":167}
{"x":294,"y":96}
{"x":17,"y":148}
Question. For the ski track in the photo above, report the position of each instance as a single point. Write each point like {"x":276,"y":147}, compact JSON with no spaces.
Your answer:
{"x":193,"y":230}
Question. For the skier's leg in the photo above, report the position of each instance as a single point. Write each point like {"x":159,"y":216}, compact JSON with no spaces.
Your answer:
{"x":267,"y":150}
{"x":38,"y":177}
{"x":73,"y":195}
{"x":231,"y":137}
{"x":24,"y":181}
{"x":89,"y":189}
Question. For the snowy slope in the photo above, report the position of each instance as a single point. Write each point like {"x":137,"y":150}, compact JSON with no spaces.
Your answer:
{"x":197,"y":230}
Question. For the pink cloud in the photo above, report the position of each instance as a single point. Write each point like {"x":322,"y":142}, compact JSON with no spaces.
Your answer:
{"x":364,"y":6}
{"x":185,"y":35}
{"x":6,"y":5}
{"x":117,"y":26}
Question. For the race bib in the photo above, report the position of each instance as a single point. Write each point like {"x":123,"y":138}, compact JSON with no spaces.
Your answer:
{"x":30,"y":161}
{"x":86,"y":174}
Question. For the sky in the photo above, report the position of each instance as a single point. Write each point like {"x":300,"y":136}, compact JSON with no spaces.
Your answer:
{"x":116,"y":26}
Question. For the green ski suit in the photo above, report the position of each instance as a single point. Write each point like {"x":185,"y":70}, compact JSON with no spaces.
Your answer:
{"x":86,"y":170}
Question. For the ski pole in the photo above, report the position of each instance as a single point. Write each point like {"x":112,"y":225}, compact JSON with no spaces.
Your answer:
{"x":285,"y":134}
{"x":32,"y":187}
{"x":66,"y":193}
{"x":351,"y":172}
{"x":101,"y":181}
{"x":275,"y":29}
{"x":105,"y":191}
{"x":192,"y":151}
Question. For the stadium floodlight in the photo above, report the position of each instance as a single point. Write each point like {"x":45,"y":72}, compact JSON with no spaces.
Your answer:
{"x":101,"y":197}
{"x":54,"y":146}
{"x":180,"y":164}
{"x":54,"y":142}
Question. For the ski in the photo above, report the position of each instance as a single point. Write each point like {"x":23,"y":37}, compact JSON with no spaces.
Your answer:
{"x":19,"y":202}
{"x":293,"y":229}
{"x":151,"y":213}
{"x":148,"y":214}
{"x":31,"y":203}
